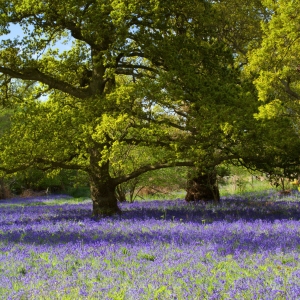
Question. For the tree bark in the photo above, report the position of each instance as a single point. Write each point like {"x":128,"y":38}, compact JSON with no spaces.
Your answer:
{"x":203,"y":187}
{"x":120,"y":194}
{"x":103,"y":195}
{"x":102,"y":186}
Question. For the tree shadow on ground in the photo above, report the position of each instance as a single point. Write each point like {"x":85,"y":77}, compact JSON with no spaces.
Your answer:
{"x":180,"y":225}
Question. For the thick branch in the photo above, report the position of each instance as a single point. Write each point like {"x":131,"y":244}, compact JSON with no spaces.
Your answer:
{"x":130,"y":66}
{"x":133,"y":141}
{"x":20,"y":17}
{"x":174,"y":125}
{"x":76,"y":34}
{"x":14,"y":170}
{"x":181,"y":113}
{"x":135,"y":53}
{"x":59,"y":164}
{"x":56,"y":21}
{"x":140,"y":21}
{"x":184,"y":128}
{"x":130,"y":72}
{"x":53,"y":83}
{"x":148,"y":168}
{"x":288,"y":89}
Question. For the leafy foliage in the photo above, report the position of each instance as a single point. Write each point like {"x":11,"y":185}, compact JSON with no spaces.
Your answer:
{"x":165,"y":78}
{"x":274,"y":63}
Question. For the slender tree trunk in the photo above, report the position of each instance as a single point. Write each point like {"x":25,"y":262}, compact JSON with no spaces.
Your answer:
{"x":203,"y":187}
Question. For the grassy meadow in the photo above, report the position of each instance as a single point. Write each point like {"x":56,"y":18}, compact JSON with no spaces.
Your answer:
{"x":247,"y":247}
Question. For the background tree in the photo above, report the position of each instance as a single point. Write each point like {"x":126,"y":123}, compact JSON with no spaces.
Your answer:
{"x":211,"y":96}
{"x":276,"y":59}
{"x":274,"y":68}
{"x":4,"y":125}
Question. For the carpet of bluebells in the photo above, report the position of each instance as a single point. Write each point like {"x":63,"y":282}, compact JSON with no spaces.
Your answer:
{"x":247,"y":247}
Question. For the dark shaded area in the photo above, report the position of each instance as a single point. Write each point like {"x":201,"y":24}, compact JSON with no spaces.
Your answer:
{"x":5,"y":192}
{"x":225,"y":240}
{"x":65,"y":221}
{"x":229,"y":209}
{"x":203,"y":187}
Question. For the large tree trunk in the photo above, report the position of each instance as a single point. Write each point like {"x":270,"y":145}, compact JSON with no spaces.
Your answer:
{"x":203,"y":187}
{"x":103,"y":195}
{"x":103,"y":187}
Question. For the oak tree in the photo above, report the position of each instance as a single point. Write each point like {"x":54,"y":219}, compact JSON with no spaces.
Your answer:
{"x":74,"y":108}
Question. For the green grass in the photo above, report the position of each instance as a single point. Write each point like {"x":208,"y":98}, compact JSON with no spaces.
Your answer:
{"x":244,"y":186}
{"x":169,"y":196}
{"x":53,"y":202}
{"x":228,"y":189}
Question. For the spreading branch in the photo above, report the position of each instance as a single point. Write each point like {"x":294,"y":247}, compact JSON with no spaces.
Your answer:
{"x":288,"y":89}
{"x":65,"y":164}
{"x":148,"y":168}
{"x":16,"y":169}
{"x":53,"y":83}
{"x":131,"y":66}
